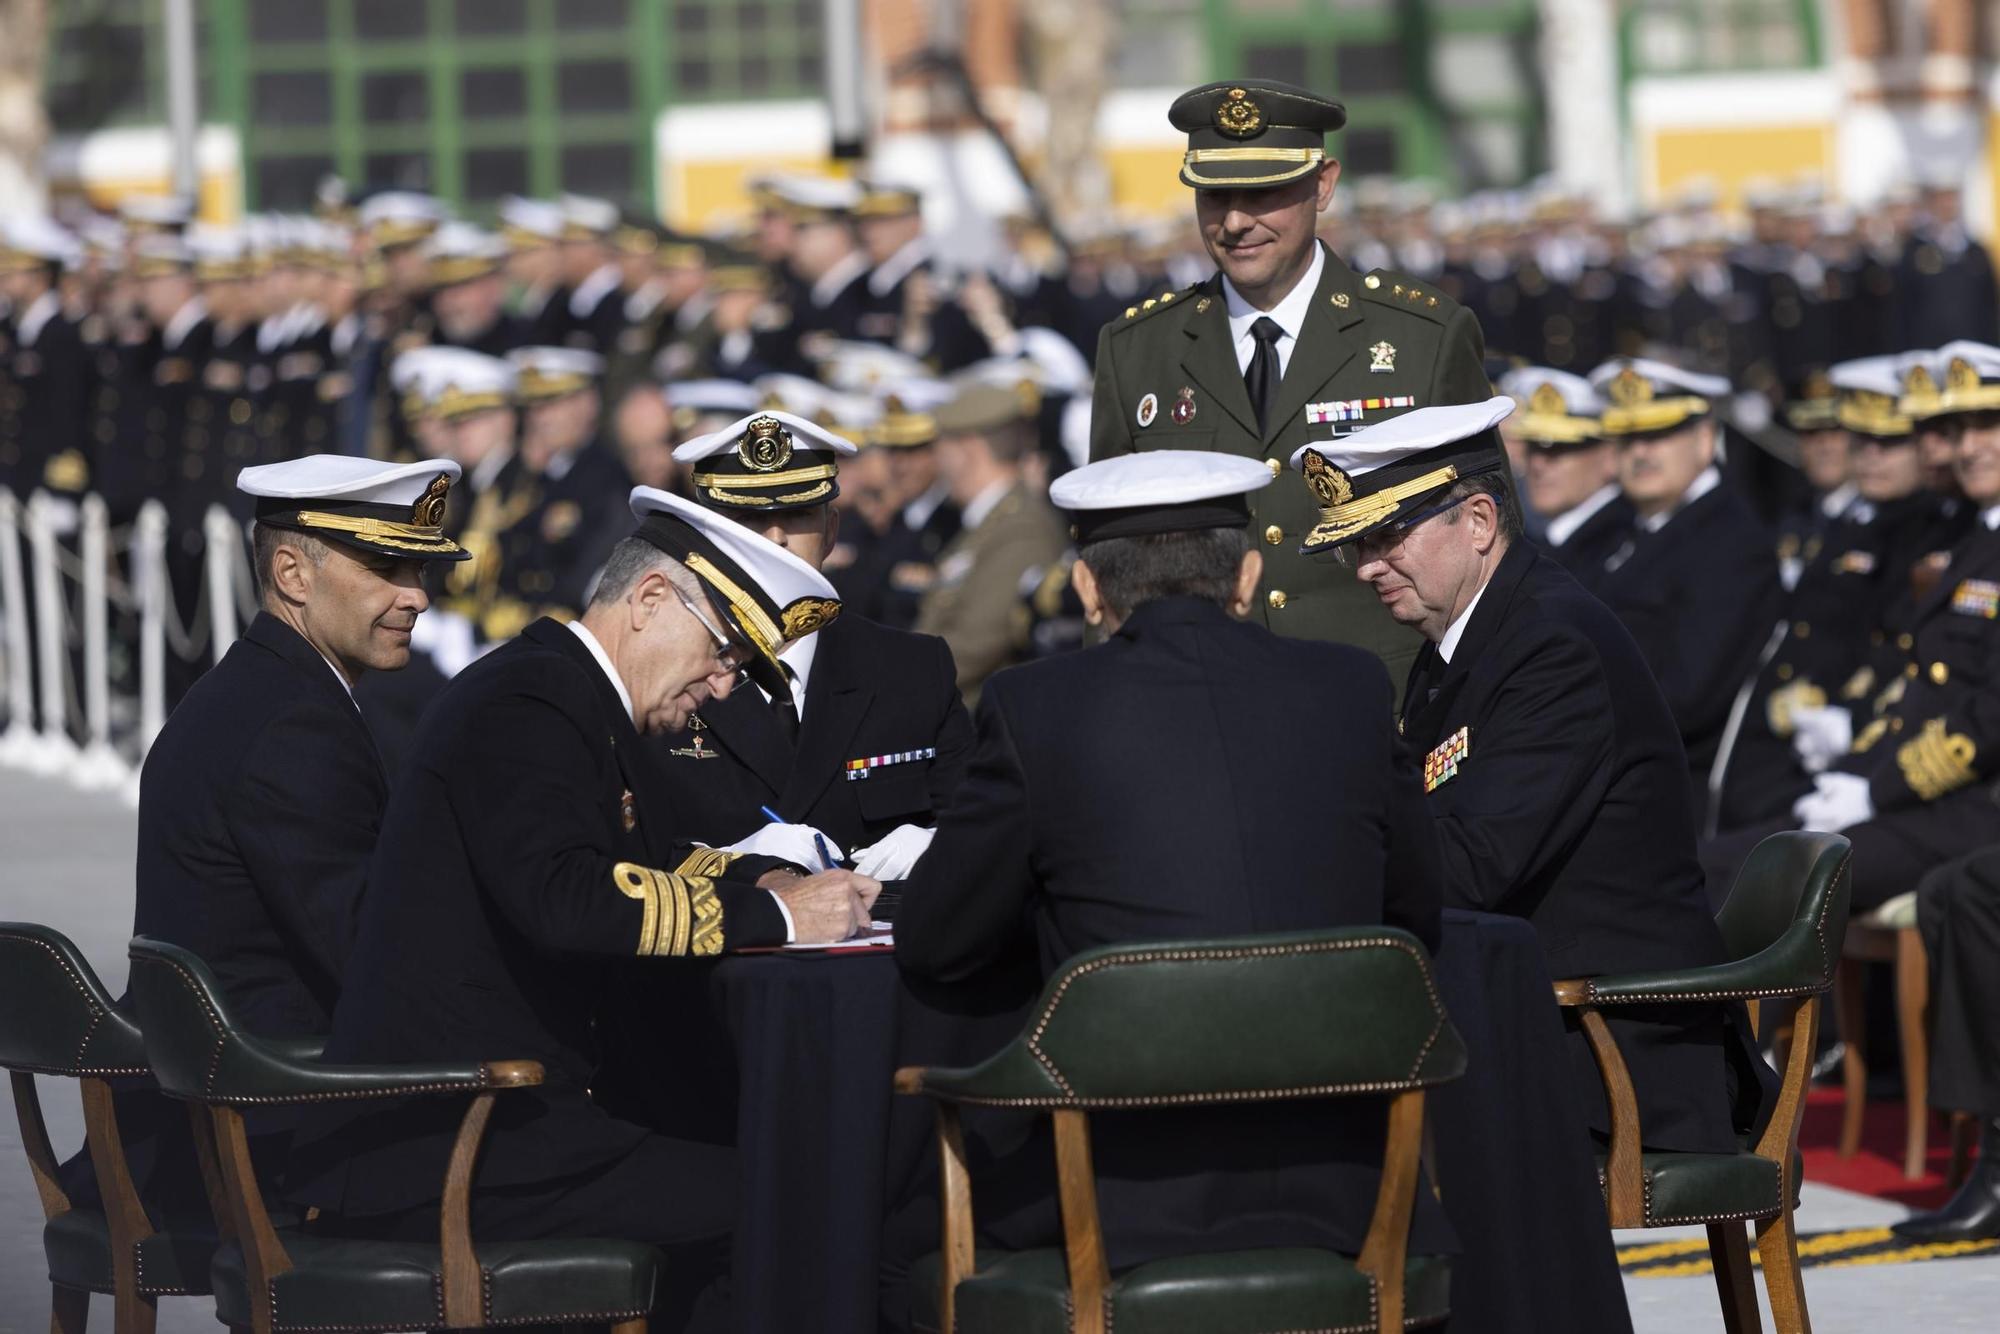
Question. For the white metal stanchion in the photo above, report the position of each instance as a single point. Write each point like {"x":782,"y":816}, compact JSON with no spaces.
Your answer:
{"x":221,"y":535}
{"x":18,"y":744}
{"x":57,"y":751}
{"x":98,"y":767}
{"x":149,"y":579}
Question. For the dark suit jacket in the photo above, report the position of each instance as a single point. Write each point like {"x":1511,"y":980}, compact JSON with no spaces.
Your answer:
{"x":1584,"y":554}
{"x":507,"y":879}
{"x":259,"y":808}
{"x":1194,"y":776}
{"x":1700,"y":596}
{"x":872,"y":691}
{"x":1570,"y":808}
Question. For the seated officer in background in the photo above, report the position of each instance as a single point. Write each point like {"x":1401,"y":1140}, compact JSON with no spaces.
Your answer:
{"x":1695,"y":582}
{"x":1812,"y":412}
{"x":261,"y":800}
{"x":1194,"y":775}
{"x":528,"y":847}
{"x":1857,"y":574}
{"x":1571,"y":477}
{"x":869,"y":737}
{"x":1554,"y":769}
{"x":1911,"y":789}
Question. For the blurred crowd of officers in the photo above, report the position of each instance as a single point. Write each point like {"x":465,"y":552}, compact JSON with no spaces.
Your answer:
{"x":561,"y":357}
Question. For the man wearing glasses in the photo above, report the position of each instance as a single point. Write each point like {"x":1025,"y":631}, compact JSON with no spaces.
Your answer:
{"x":1553,"y":766}
{"x":529,"y":848}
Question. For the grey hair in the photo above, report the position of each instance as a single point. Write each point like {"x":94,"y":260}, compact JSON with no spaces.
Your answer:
{"x":1505,"y":502}
{"x":632,"y":560}
{"x":1132,"y":571}
{"x":265,"y":539}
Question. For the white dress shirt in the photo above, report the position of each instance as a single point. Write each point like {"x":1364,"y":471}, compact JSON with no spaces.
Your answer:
{"x":1563,"y":527}
{"x":1456,"y":630}
{"x":1289,"y":313}
{"x":1707,"y":481}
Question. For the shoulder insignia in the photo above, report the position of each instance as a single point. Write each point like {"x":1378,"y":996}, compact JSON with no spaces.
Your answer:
{"x":1399,"y":290}
{"x":1153,"y":304}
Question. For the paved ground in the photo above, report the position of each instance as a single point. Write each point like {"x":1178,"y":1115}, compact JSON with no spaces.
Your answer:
{"x":65,"y":860}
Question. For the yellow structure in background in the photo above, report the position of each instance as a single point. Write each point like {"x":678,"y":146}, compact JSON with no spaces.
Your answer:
{"x":1730,"y":159}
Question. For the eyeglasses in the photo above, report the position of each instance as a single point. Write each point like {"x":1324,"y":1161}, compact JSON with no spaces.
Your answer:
{"x":734,"y":655}
{"x":1387,"y":543}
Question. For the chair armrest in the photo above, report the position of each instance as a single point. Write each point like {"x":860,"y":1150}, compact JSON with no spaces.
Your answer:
{"x":1011,"y":1076}
{"x":1744,"y":979}
{"x":298,"y":1049}
{"x":271,"y":1075}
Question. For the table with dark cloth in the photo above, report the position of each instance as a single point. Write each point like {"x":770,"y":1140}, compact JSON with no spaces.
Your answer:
{"x":827,"y":1148}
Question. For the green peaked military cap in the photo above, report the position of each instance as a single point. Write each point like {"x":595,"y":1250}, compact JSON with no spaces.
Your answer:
{"x":1252,"y":133}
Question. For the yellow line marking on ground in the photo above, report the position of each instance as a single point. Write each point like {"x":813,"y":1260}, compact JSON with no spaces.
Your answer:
{"x":1822,"y":1250}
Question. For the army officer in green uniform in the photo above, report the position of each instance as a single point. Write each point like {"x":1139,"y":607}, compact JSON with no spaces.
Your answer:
{"x":1284,"y":345}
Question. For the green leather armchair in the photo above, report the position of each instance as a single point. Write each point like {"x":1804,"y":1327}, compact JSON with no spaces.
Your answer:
{"x":1781,"y":929}
{"x":57,"y":1019}
{"x":268,"y":1279}
{"x":1190,"y":1022}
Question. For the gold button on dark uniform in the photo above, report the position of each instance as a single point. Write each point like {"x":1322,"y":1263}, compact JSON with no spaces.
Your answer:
{"x":1905,"y":642}
{"x":1274,"y":534}
{"x":1800,"y":630}
{"x":1940,"y":673}
{"x":1277,"y":599}
{"x":1275,"y":466}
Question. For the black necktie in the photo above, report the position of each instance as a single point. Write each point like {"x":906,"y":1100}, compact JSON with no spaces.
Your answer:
{"x":1264,"y":373}
{"x":1424,"y":686}
{"x":786,"y":713}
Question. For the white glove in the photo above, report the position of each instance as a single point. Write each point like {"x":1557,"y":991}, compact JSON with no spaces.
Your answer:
{"x":1821,"y":736}
{"x":1836,"y":802}
{"x":892,"y":857}
{"x":792,"y":843}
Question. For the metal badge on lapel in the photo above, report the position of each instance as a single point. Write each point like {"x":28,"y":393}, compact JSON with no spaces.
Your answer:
{"x":1441,"y":765}
{"x":1183,"y":409}
{"x":1149,"y":408}
{"x":628,"y":810}
{"x":868,"y":764}
{"x":1381,"y":358}
{"x":696,"y":749}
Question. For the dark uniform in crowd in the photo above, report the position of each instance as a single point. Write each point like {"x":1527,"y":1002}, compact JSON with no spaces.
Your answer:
{"x":1958,"y":912}
{"x":1695,"y":581}
{"x":1553,"y":764}
{"x":1560,"y":427}
{"x":1174,"y":373}
{"x":528,"y":848}
{"x":43,"y":404}
{"x":1073,"y":824}
{"x":872,"y":735}
{"x":902,"y":564}
{"x":262,"y":797}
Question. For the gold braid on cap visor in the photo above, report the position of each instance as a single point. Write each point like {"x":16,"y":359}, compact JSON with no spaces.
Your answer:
{"x":384,"y":532}
{"x":1340,"y":522}
{"x":1873,"y":415}
{"x":1305,"y":158}
{"x":763,"y":631}
{"x":1558,"y":428}
{"x":720,"y":485}
{"x":1657,"y":414}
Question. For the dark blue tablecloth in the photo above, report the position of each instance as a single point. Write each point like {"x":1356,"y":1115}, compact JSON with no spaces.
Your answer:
{"x":827,"y":1149}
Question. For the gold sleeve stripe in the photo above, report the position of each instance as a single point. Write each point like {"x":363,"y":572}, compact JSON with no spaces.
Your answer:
{"x":1936,"y":762}
{"x":707,"y":862}
{"x":681,"y":913}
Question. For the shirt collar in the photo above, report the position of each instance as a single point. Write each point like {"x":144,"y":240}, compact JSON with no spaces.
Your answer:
{"x":593,"y":289}
{"x":1835,"y":502}
{"x":837,"y":279}
{"x":487,"y":470}
{"x":1290,"y":313}
{"x":983,"y":504}
{"x":604,"y":660}
{"x":345,"y":687}
{"x":1456,"y":630}
{"x":797,"y":660}
{"x":191,"y":313}
{"x":39,"y":312}
{"x":899,"y":265}
{"x":918,"y":512}
{"x":1564,"y":526}
{"x":1709,"y":478}
{"x":1990,"y":516}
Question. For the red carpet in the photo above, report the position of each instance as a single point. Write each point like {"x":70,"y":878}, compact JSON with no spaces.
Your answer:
{"x":1877,"y":1167}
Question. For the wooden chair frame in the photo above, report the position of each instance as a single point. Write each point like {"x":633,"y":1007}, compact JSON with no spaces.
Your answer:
{"x":224,"y":1145}
{"x":1624,"y":1172}
{"x":1384,"y":1251}
{"x":1902,"y":947}
{"x":133,"y":1312}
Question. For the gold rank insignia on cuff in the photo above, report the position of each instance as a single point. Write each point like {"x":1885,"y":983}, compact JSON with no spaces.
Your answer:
{"x":710,"y":862}
{"x":1937,"y":761}
{"x":1441,"y":765}
{"x":1787,"y":700}
{"x":682,"y":915}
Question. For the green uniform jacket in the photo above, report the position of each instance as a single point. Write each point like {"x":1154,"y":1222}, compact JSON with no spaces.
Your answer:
{"x":1380,"y":336}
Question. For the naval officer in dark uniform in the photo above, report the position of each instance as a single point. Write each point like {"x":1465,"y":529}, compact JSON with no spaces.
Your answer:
{"x":262,"y":797}
{"x":1073,"y":825}
{"x":870,"y":737}
{"x":1553,"y":764}
{"x":1571,"y":477}
{"x":529,"y":848}
{"x":1286,"y":344}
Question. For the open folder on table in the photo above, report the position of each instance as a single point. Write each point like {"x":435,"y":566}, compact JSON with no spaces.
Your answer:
{"x":878,"y":936}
